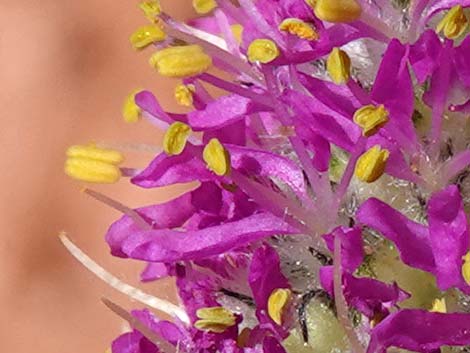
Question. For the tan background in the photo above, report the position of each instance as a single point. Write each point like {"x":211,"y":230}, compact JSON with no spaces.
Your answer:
{"x":65,"y":67}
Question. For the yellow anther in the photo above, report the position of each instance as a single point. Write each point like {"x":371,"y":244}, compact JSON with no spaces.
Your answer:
{"x":454,"y":23}
{"x":337,"y":11}
{"x":181,"y":61}
{"x":146,"y":35}
{"x":131,"y":111}
{"x":439,"y":306}
{"x":95,"y":153}
{"x":237,"y":31}
{"x":299,"y":28}
{"x":277,"y":303}
{"x":311,"y":3}
{"x":204,"y":6}
{"x":338,"y":66}
{"x":184,"y":95}
{"x":371,"y":165}
{"x":263,"y":51}
{"x":175,"y":138}
{"x":151,"y":9}
{"x":216,"y":319}
{"x":466,"y":268}
{"x":92,"y":164}
{"x":217,"y":157}
{"x":371,"y":118}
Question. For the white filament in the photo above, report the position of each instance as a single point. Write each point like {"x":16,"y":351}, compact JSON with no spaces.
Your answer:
{"x":132,"y":292}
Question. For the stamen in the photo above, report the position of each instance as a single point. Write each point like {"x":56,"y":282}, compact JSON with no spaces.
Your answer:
{"x":217,"y":157}
{"x":151,"y":9}
{"x":337,"y":11}
{"x":132,"y":292}
{"x":184,"y":94}
{"x":215,"y":319}
{"x":371,"y":118}
{"x":136,"y":217}
{"x":203,"y":7}
{"x":439,"y":305}
{"x":263,"y":51}
{"x":181,"y":61}
{"x":139,"y":326}
{"x":299,"y":28}
{"x":175,"y":138}
{"x":146,"y":35}
{"x":131,"y":112}
{"x":338,"y":66}
{"x":92,"y":164}
{"x":237,"y":31}
{"x":466,"y":268}
{"x":277,"y":304}
{"x":371,"y":165}
{"x":454,"y":23}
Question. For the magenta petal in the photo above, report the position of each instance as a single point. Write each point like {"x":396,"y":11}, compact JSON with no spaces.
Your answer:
{"x":166,"y":215}
{"x":449,"y":237}
{"x":393,"y":88}
{"x":169,"y":245}
{"x":367,"y":295}
{"x":420,"y":331}
{"x":146,"y":101}
{"x":264,"y":277}
{"x":267,"y":164}
{"x":352,"y":247}
{"x":168,"y":170}
{"x":154,"y":271}
{"x":461,"y":62}
{"x":411,"y":238}
{"x":425,"y":54}
{"x":272,"y":345}
{"x":133,"y":342}
{"x":221,"y":112}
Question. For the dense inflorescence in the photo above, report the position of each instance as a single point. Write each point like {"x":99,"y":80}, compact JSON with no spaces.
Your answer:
{"x":332,"y":179}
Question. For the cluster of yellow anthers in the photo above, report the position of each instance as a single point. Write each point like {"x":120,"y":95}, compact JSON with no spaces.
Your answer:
{"x":92,"y":164}
{"x":454,"y":23}
{"x":219,"y":319}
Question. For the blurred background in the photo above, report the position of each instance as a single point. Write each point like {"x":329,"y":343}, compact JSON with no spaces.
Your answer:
{"x":65,"y":68}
